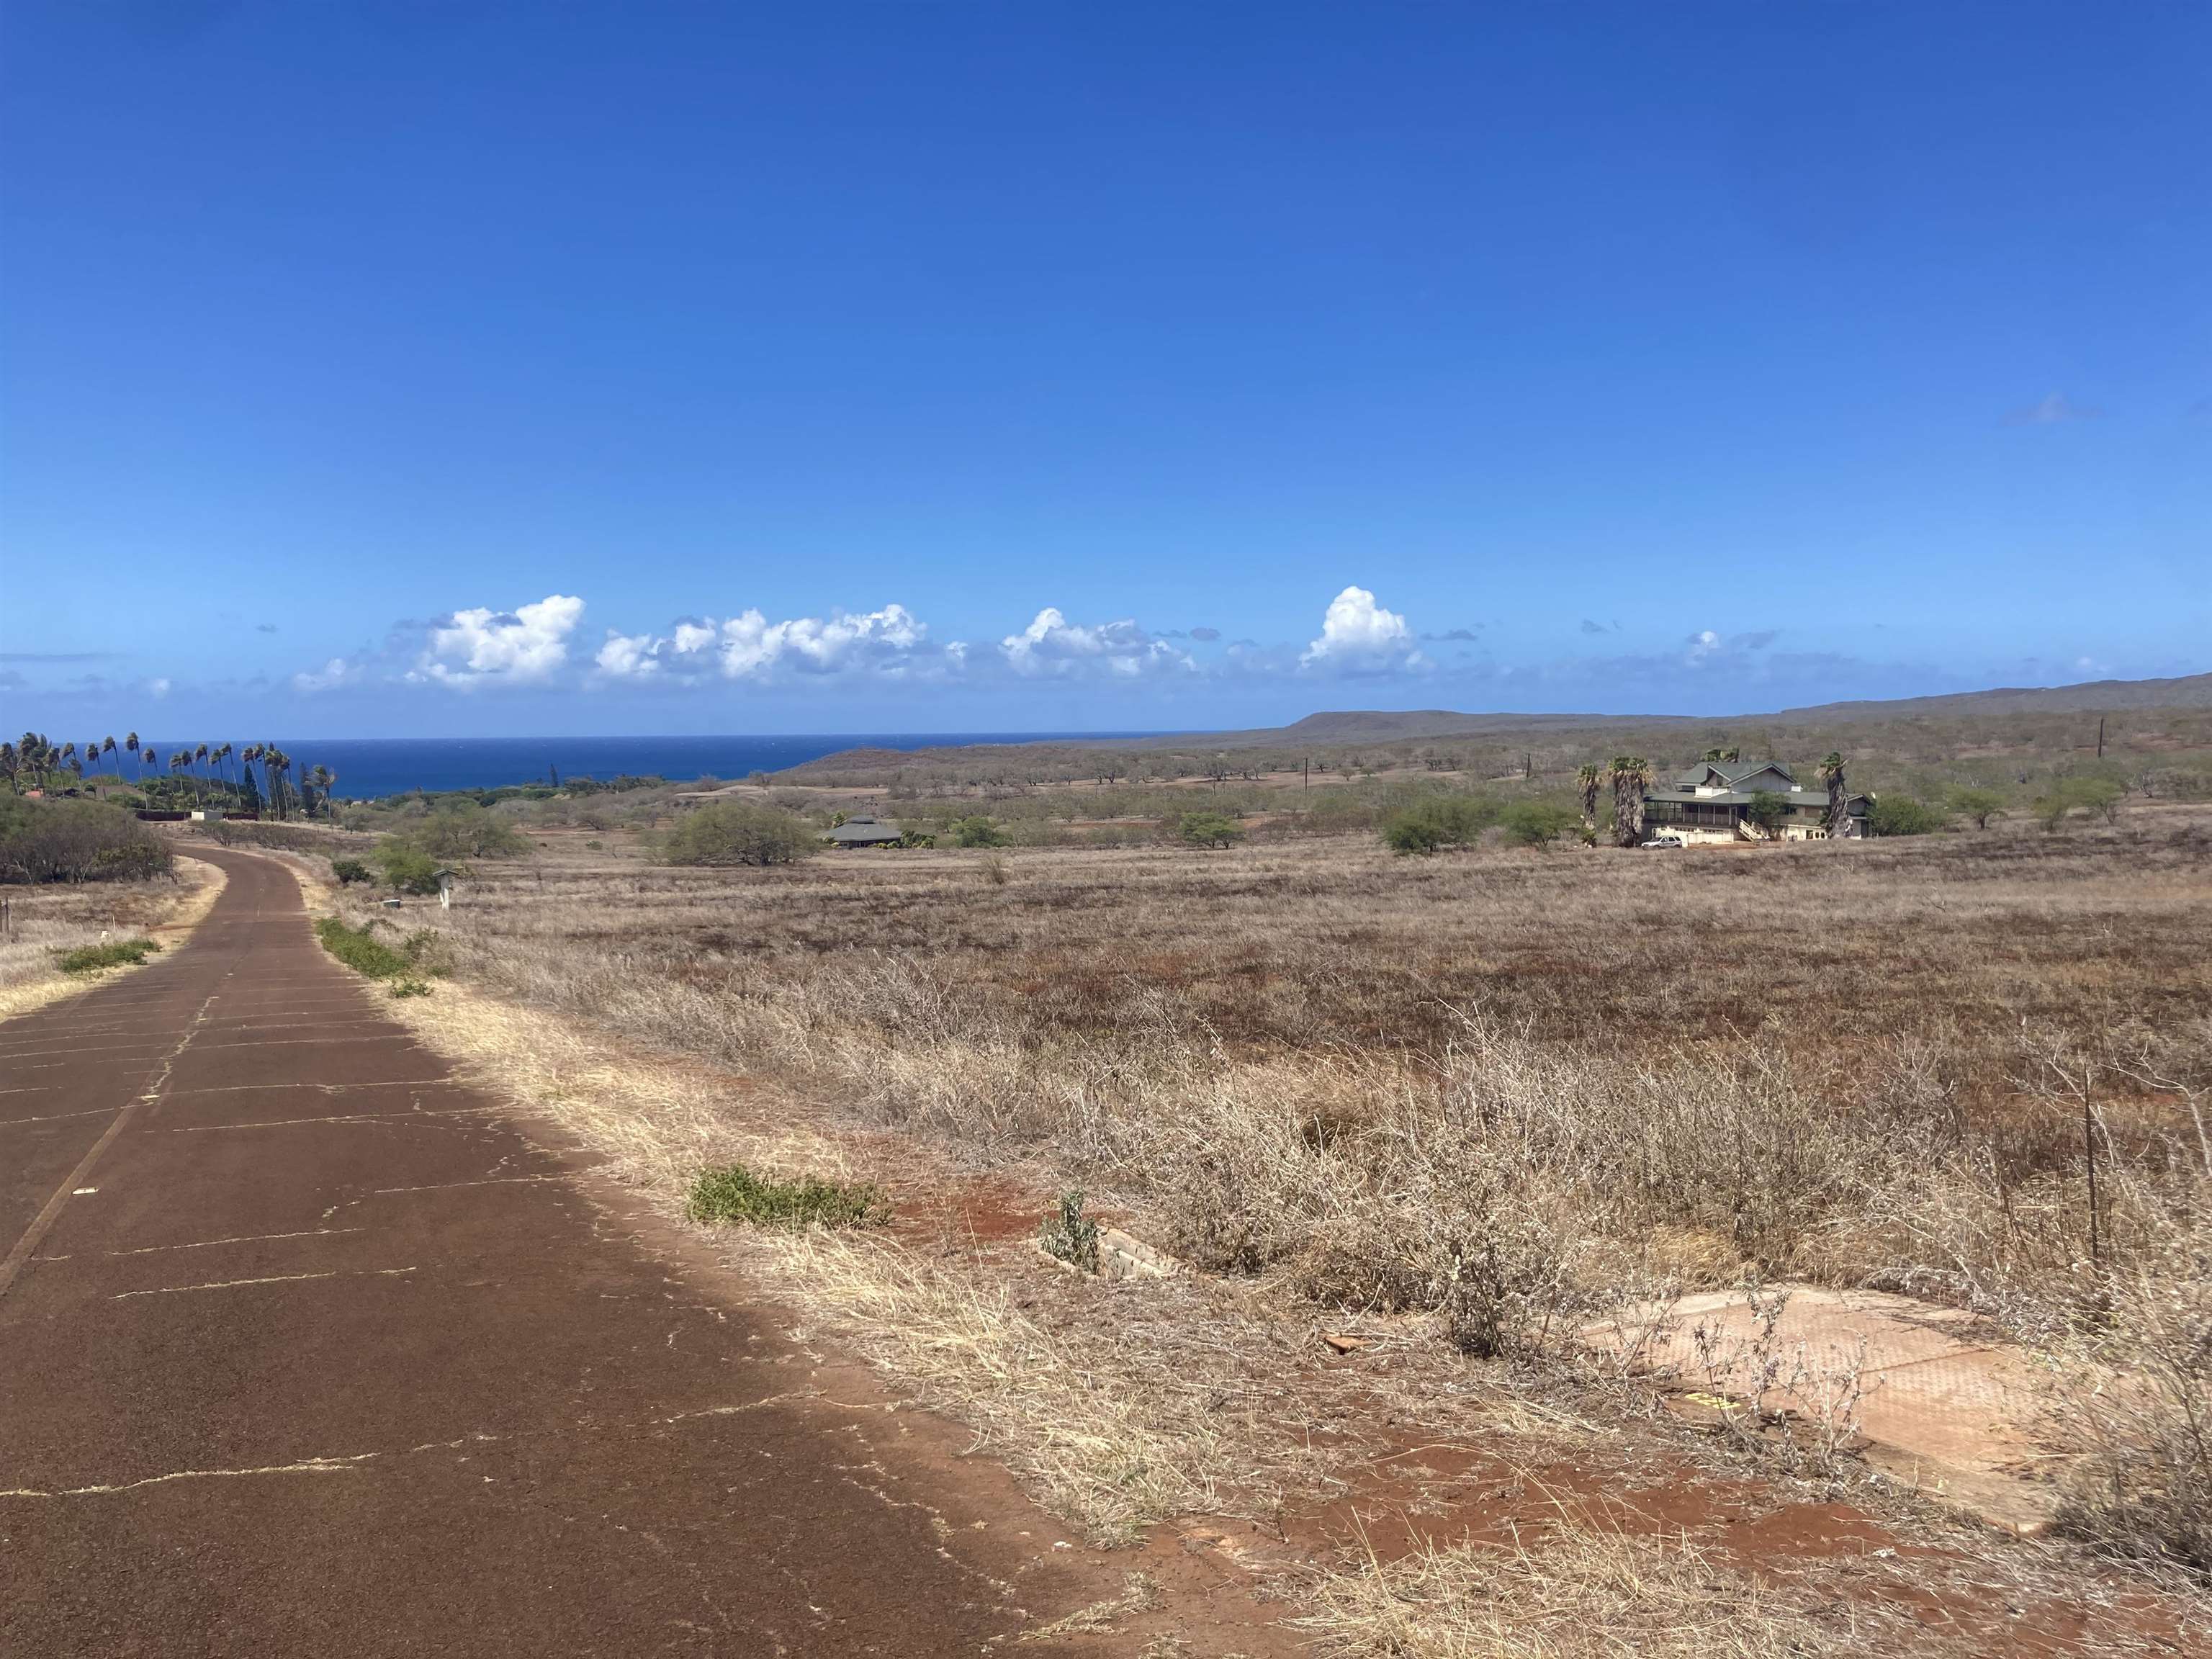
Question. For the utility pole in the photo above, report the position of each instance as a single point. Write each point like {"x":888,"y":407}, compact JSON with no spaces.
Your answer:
{"x":2100,"y":737}
{"x":1307,"y":784}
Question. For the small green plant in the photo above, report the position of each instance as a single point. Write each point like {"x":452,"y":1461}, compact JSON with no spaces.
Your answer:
{"x":351,"y":871}
{"x":1070,"y":1235}
{"x":733,"y":1193}
{"x":409,"y":988}
{"x":116,"y":953}
{"x":363,"y":954}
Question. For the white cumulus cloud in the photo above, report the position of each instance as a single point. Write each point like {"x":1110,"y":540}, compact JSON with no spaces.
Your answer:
{"x":336,"y":673}
{"x":891,"y":641}
{"x":1359,"y":635}
{"x":527,"y":646}
{"x":1053,"y":645}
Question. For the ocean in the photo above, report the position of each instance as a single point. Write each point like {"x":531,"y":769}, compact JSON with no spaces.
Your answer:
{"x":369,"y":767}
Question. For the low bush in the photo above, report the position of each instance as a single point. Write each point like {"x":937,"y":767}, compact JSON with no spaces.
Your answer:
{"x":1537,"y":822}
{"x":1980,"y":804}
{"x":733,"y":1193}
{"x":1901,"y":815}
{"x":359,"y":951}
{"x":77,"y":840}
{"x":350,"y":871}
{"x":463,"y":829}
{"x":1440,"y":820}
{"x":406,"y":868}
{"x":2097,"y":797}
{"x":117,"y":953}
{"x":726,"y":833}
{"x":976,"y":832}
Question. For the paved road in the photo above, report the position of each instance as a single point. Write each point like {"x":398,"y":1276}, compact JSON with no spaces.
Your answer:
{"x":305,"y":1348}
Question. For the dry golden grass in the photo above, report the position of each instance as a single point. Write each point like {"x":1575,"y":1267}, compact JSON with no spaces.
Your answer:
{"x":1500,"y":1091}
{"x":1579,"y":1589}
{"x":49,"y":919}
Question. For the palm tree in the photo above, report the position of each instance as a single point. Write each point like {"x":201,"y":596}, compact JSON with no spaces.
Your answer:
{"x":1587,"y":779}
{"x":1629,"y":776}
{"x":107,"y":747}
{"x":1831,"y":773}
{"x":322,"y":777}
{"x":130,"y":746}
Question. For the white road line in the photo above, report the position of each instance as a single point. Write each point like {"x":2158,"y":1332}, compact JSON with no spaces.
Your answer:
{"x":448,"y":1186}
{"x":155,"y":1043}
{"x":242,"y":1238}
{"x":56,"y":1117}
{"x":274,"y":1278}
{"x":327,"y":1088}
{"x":307,"y":1042}
{"x":337,"y":1117}
{"x":11,"y":1265}
{"x":305,"y":1465}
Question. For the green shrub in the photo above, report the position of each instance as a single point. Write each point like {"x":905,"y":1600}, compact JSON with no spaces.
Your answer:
{"x":350,"y":871}
{"x":2098,"y":797}
{"x":1901,"y":815}
{"x":406,"y":868}
{"x":733,"y":1193}
{"x":1423,"y":826}
{"x":1980,"y":804}
{"x":726,"y":833}
{"x":1537,"y":823}
{"x":976,"y":832}
{"x":75,"y":840}
{"x":460,"y":829}
{"x":1209,"y":830}
{"x":355,"y":947}
{"x":116,"y":953}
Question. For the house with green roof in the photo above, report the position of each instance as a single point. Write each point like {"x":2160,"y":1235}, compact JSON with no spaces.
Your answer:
{"x":1712,"y":802}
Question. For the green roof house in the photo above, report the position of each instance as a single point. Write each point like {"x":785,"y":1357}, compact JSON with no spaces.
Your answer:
{"x":1712,"y":802}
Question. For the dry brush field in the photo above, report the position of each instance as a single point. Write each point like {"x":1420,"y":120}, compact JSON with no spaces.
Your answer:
{"x":1501,"y":1093}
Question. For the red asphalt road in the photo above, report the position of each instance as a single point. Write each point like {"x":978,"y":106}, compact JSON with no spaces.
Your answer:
{"x":305,"y":1347}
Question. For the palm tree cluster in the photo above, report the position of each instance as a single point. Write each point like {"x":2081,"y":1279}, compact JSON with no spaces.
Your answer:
{"x":1629,"y":776}
{"x":218,"y":774}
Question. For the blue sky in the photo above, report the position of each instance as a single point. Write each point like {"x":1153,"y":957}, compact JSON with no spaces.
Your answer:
{"x":425,"y":369}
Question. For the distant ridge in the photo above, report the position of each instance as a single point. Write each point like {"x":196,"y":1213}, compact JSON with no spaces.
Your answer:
{"x":2092,"y":696}
{"x":1350,"y":726}
{"x":2184,"y":691}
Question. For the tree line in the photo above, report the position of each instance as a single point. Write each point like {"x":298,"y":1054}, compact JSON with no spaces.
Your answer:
{"x":258,"y":777}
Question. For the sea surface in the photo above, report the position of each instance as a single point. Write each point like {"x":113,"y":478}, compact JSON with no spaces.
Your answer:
{"x":369,"y":767}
